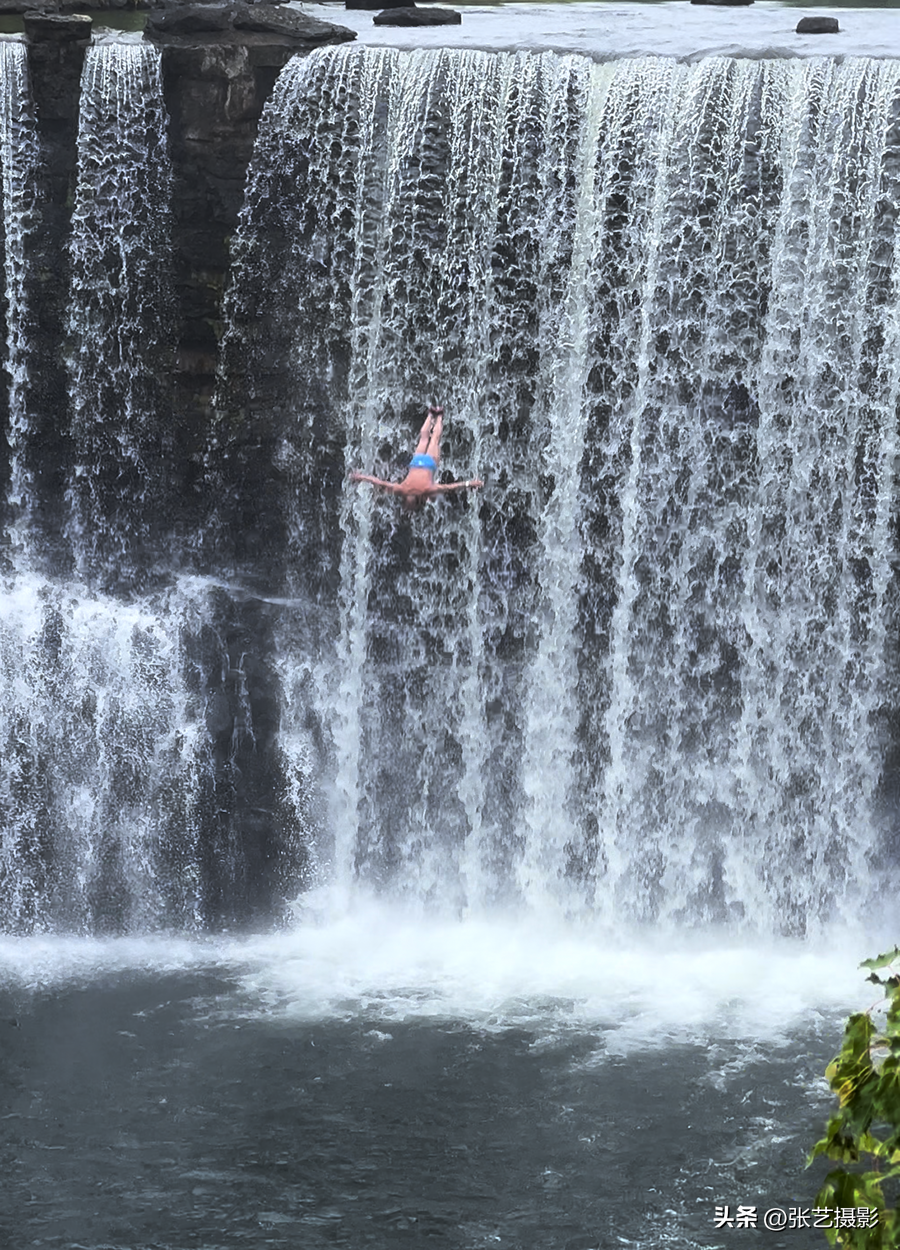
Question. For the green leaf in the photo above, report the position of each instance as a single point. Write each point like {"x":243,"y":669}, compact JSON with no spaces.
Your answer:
{"x":882,"y":961}
{"x":836,"y":1144}
{"x":852,"y":1075}
{"x":893,"y":1015}
{"x":865,"y":1075}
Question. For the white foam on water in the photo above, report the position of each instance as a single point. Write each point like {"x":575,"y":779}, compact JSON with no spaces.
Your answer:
{"x":48,"y":963}
{"x":374,"y":963}
{"x":640,"y":989}
{"x":498,"y":975}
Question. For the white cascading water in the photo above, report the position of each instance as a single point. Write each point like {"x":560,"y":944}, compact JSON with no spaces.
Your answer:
{"x":103,"y":749}
{"x":645,"y":675}
{"x":18,"y":160}
{"x":120,"y":317}
{"x":101,"y":766}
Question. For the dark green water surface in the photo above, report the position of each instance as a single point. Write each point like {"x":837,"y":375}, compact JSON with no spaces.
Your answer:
{"x":156,"y":1113}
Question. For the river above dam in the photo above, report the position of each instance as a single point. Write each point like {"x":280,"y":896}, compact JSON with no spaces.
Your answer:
{"x":608,"y":30}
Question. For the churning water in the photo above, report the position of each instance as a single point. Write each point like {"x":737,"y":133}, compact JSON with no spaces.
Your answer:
{"x":381,"y":1080}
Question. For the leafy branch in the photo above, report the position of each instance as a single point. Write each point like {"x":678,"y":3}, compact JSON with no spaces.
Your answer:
{"x":866,"y":1130}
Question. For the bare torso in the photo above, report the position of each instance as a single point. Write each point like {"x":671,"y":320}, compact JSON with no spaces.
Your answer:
{"x":418,"y":482}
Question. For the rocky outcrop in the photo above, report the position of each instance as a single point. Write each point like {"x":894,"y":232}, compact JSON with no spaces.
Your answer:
{"x":208,"y":21}
{"x":219,"y":63}
{"x":410,"y":15}
{"x":818,"y":26}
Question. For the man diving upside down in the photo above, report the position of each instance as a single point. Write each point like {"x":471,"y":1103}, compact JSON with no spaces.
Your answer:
{"x":419,"y":485}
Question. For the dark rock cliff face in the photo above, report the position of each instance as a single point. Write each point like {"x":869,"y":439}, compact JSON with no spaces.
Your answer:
{"x":253,"y":856}
{"x":219,"y":66}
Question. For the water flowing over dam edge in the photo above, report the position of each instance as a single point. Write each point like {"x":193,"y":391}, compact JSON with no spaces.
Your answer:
{"x":649,"y":676}
{"x":645,"y":321}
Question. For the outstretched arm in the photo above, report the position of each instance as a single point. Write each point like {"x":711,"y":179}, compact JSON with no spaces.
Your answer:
{"x":474,"y":484}
{"x":374,"y":481}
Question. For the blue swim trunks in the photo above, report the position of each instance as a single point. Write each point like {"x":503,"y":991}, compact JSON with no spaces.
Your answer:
{"x":422,"y":462}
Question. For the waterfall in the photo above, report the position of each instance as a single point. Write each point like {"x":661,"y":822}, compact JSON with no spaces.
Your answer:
{"x":104,"y":768}
{"x":121,"y":309}
{"x":101,"y":772}
{"x":18,"y":157}
{"x":647,"y":675}
{"x":133,"y":704}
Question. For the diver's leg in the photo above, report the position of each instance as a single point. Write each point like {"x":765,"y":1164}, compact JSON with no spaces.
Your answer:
{"x":434,"y":442}
{"x":424,"y":433}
